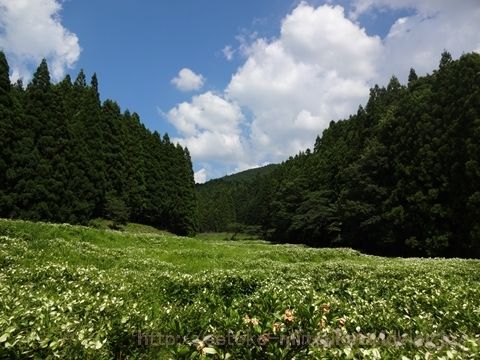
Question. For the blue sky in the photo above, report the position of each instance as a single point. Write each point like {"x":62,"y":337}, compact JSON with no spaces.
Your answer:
{"x":260,"y":79}
{"x":137,"y":49}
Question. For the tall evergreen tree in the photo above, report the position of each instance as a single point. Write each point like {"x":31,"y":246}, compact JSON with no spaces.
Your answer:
{"x":412,"y":77}
{"x":6,"y":136}
{"x":67,"y":157}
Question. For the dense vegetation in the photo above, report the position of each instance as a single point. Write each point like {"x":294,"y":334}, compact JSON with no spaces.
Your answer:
{"x":234,"y":202}
{"x":74,"y":292}
{"x":400,"y":177}
{"x":66,"y":157}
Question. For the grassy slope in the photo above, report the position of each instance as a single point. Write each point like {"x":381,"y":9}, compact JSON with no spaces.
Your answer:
{"x":80,"y":292}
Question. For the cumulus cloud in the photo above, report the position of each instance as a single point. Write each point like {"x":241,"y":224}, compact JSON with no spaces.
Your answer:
{"x":207,"y":111}
{"x":418,"y":40}
{"x":210,"y":127}
{"x":318,"y":69}
{"x":187,"y":80}
{"x":31,"y":30}
{"x":326,"y":38}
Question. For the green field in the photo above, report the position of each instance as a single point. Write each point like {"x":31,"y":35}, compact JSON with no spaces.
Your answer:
{"x":78,"y":292}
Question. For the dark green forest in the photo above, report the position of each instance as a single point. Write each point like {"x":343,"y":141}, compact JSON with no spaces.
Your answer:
{"x":67,"y":157}
{"x":401,"y":177}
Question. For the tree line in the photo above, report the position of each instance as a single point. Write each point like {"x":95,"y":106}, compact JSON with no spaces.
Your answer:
{"x":67,"y":157}
{"x":401,"y":177}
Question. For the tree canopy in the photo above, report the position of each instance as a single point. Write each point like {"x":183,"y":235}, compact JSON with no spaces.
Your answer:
{"x":67,"y":157}
{"x":399,"y":177}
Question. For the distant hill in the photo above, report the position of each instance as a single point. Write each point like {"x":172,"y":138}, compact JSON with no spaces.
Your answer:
{"x":251,"y":173}
{"x":230,"y":199}
{"x":246,"y":175}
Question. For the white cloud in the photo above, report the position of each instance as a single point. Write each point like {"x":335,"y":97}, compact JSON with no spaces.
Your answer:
{"x":31,"y":30}
{"x":200,"y":176}
{"x":210,"y":128}
{"x":418,"y":40}
{"x":228,"y":52}
{"x":326,"y":38}
{"x":187,"y":80}
{"x":207,"y":111}
{"x":318,"y":69}
{"x":212,"y":145}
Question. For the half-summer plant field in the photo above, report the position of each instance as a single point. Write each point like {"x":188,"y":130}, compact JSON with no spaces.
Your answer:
{"x":82,"y":293}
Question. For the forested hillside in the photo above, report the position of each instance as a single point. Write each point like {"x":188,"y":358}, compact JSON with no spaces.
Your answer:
{"x":400,"y":177}
{"x":67,"y":157}
{"x":233,"y":201}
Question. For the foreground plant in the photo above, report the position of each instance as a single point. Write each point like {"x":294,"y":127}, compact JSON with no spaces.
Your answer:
{"x":75,"y":292}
